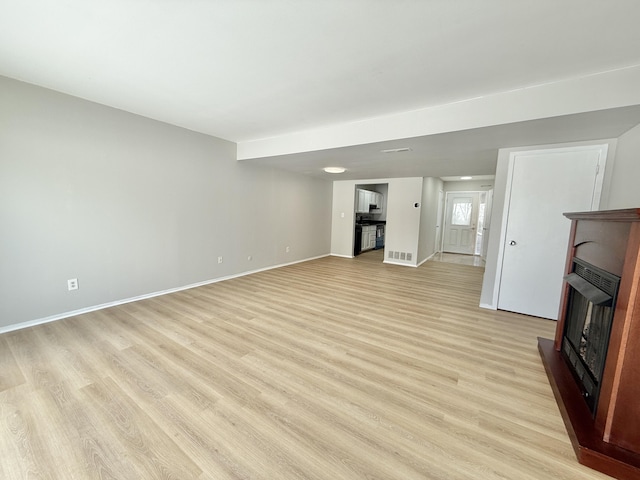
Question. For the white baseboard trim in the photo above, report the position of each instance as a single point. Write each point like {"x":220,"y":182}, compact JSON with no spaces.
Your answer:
{"x":398,"y":263}
{"x":428,"y":258}
{"x":93,"y":308}
{"x":341,"y":256}
{"x":488,"y":306}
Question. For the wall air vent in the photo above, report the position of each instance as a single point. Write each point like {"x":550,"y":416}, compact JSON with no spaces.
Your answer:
{"x":399,"y":255}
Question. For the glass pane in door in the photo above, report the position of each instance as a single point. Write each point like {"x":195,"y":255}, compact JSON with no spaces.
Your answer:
{"x":461,"y":212}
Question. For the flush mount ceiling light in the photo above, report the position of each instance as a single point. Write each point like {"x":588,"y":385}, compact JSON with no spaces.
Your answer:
{"x":396,"y":150}
{"x":466,"y":178}
{"x":334,"y":169}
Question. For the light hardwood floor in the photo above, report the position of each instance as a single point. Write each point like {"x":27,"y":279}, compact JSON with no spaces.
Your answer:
{"x":474,"y":260}
{"x":329,"y":369}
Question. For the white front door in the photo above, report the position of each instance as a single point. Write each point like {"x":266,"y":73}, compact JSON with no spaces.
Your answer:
{"x":460,"y":222}
{"x":543,"y":187}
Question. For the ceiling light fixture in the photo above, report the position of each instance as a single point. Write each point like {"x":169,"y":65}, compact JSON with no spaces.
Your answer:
{"x":466,"y":178}
{"x":396,"y":150}
{"x":334,"y":169}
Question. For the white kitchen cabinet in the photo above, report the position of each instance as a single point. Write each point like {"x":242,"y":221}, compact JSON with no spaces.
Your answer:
{"x":364,"y":242}
{"x":362,"y":203}
{"x":378,"y":200}
{"x":368,"y":237}
{"x":372,"y":238}
{"x":365,"y":198}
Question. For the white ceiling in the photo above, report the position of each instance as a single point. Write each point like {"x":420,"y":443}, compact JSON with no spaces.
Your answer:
{"x":245,"y":70}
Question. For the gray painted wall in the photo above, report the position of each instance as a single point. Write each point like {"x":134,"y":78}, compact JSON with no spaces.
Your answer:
{"x":131,"y":206}
{"x":625,"y":172}
{"x":428,"y":218}
{"x":343,"y":218}
{"x":403,"y":219}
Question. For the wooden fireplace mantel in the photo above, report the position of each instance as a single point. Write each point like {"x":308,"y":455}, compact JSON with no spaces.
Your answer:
{"x":610,"y":442}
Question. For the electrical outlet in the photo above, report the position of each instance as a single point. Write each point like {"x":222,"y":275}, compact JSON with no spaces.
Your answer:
{"x":219,"y":259}
{"x":72,"y":284}
{"x":287,"y":249}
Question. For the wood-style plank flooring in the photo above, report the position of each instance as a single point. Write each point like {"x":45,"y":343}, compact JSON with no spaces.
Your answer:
{"x":329,"y":369}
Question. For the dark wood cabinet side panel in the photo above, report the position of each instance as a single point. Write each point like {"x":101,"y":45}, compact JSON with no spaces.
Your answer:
{"x":625,"y":422}
{"x":625,"y":427}
{"x":626,"y":315}
{"x":613,"y":366}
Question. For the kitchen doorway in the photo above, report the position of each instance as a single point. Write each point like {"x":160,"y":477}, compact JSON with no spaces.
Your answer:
{"x":370,"y":219}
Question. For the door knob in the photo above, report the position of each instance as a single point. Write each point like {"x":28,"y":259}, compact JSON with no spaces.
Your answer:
{"x":512,"y":242}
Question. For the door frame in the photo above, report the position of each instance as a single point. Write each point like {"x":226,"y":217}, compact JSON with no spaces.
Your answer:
{"x":487,"y":225}
{"x":491,"y":286}
{"x":439,"y":222}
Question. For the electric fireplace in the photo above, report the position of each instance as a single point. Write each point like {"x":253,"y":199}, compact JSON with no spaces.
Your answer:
{"x":593,"y":364}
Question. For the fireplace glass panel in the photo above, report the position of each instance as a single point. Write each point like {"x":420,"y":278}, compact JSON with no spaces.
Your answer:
{"x":588,"y":325}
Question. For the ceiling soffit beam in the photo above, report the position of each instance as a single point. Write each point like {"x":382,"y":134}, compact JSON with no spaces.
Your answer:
{"x":611,"y":89}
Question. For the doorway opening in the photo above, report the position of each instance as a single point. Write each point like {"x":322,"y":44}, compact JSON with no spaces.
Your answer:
{"x":370,"y":219}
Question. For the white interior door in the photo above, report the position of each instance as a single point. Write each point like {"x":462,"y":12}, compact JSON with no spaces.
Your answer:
{"x":460,"y":222}
{"x":543,"y":187}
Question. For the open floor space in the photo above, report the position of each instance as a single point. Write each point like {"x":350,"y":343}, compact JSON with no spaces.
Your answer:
{"x":327,"y":369}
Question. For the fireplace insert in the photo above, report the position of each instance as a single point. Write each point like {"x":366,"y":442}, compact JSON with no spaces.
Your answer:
{"x":589,"y":316}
